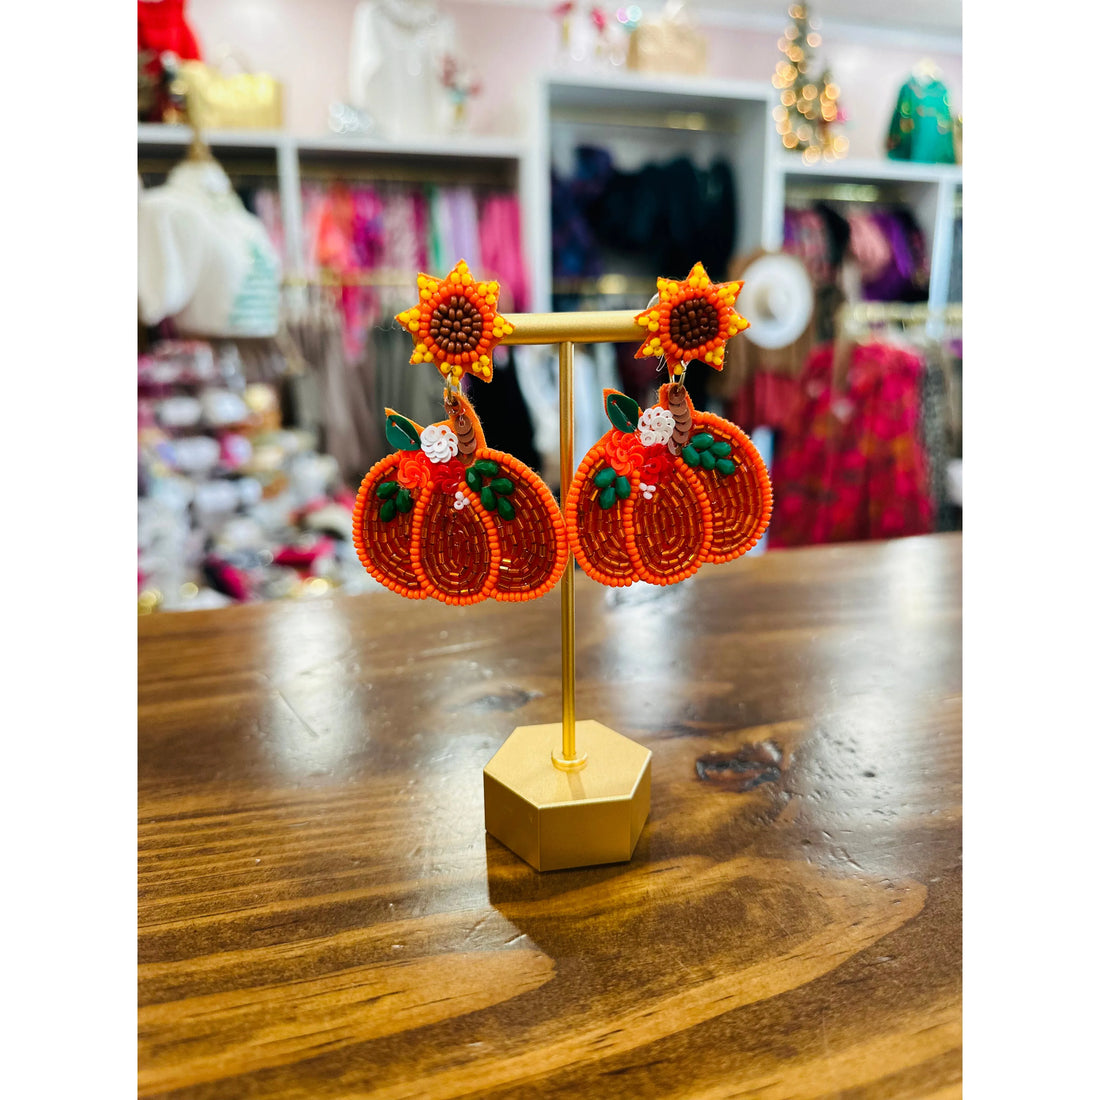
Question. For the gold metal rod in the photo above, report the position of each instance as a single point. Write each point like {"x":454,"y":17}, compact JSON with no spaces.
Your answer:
{"x":568,"y":630}
{"x":380,"y":171}
{"x":607,"y":326}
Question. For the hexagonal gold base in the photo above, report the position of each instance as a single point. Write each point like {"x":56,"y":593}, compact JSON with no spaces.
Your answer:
{"x":554,"y":818}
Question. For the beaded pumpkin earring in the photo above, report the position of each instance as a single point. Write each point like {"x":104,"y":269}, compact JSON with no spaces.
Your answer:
{"x":446,"y":516}
{"x":668,"y":488}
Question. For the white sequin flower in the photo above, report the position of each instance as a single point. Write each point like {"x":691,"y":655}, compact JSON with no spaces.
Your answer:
{"x":439,"y":443}
{"x":656,"y":425}
{"x":460,"y":500}
{"x":647,"y":490}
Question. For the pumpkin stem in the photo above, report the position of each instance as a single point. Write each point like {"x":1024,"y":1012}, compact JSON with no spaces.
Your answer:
{"x":465,"y":423}
{"x":679,"y":404}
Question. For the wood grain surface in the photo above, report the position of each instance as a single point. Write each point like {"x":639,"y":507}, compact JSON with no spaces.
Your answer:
{"x":322,"y":915}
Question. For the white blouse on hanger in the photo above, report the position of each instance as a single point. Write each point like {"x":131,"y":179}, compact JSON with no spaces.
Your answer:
{"x":396,"y":50}
{"x":203,"y":259}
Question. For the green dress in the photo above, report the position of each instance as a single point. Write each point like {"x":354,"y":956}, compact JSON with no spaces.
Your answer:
{"x":922,"y":128}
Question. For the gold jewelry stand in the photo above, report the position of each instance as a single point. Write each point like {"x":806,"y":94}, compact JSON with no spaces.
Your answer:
{"x":569,"y":793}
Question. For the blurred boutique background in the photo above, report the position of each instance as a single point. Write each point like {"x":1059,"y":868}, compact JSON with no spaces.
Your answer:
{"x":301,"y":161}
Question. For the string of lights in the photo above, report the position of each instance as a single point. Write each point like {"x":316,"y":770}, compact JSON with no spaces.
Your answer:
{"x":809,"y":107}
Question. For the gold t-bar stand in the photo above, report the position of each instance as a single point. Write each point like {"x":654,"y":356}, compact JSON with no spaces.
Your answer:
{"x":571,"y":806}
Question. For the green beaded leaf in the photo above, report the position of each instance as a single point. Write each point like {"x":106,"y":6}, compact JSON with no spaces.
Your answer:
{"x":708,"y":460}
{"x":505,"y":509}
{"x":502,"y":485}
{"x":488,"y":499}
{"x":622,"y":487}
{"x":607,"y":497}
{"x":690,"y":455}
{"x":386,"y":490}
{"x":703,"y":441}
{"x":473,"y":479}
{"x":402,"y":433}
{"x":726,"y":466}
{"x":403,"y":500}
{"x":622,"y":411}
{"x":387,"y":511}
{"x":604,"y":478}
{"x":721,"y":449}
{"x":487,"y":466}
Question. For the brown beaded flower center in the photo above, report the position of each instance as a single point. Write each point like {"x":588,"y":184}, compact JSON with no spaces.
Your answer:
{"x":693,"y":322}
{"x":456,"y":325}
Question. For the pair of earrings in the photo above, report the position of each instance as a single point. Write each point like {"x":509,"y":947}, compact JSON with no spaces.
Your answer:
{"x":664,"y":490}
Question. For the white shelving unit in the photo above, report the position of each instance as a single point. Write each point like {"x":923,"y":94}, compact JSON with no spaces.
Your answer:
{"x":930,"y":191}
{"x":292,"y":157}
{"x":637,"y":117}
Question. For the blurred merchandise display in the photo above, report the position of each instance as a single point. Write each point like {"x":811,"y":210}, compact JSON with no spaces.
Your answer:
{"x":777,"y":300}
{"x":589,"y":38}
{"x":809,"y":106}
{"x":268,"y":282}
{"x":922,"y":127}
{"x":344,"y":119}
{"x":867,"y":434}
{"x":203,"y":259}
{"x":858,"y":250}
{"x":462,"y":85}
{"x":662,"y":214}
{"x":867,"y":424}
{"x":230,"y":96}
{"x":163,"y":28}
{"x":396,"y":64}
{"x":365,"y":242}
{"x":176,"y":84}
{"x":851,"y":463}
{"x":165,"y":41}
{"x":613,"y":232}
{"x":955,"y":279}
{"x":232,"y":506}
{"x":364,"y":245}
{"x":667,"y":43}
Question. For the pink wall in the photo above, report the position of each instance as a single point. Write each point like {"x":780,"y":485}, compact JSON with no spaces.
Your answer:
{"x":305,"y":43}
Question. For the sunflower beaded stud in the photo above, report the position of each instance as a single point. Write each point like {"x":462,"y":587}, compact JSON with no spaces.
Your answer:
{"x":691,"y":319}
{"x":455,"y":324}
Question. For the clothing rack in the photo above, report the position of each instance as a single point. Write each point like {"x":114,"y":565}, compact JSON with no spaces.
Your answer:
{"x":800,"y":195}
{"x":379,"y":278}
{"x":361,"y":278}
{"x":237,"y":169}
{"x":605,"y":285}
{"x":488,"y":174}
{"x":856,"y":321}
{"x":649,"y":120}
{"x":855,"y":315}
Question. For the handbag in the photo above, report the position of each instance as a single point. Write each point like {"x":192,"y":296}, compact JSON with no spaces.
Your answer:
{"x":245,"y":100}
{"x":668,"y":44}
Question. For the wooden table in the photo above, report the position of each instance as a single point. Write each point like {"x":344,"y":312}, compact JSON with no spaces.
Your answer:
{"x":322,"y":915}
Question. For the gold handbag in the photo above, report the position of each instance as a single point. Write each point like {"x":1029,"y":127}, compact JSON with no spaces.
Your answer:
{"x":231,"y":101}
{"x":667,"y":45}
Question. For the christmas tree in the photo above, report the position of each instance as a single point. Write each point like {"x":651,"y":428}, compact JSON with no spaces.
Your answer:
{"x":809,"y":106}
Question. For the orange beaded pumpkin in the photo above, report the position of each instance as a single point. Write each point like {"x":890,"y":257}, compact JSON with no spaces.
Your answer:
{"x":664,"y":491}
{"x":447,"y":517}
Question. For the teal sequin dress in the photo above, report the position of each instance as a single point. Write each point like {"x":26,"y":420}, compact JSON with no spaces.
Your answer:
{"x":922,"y":128}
